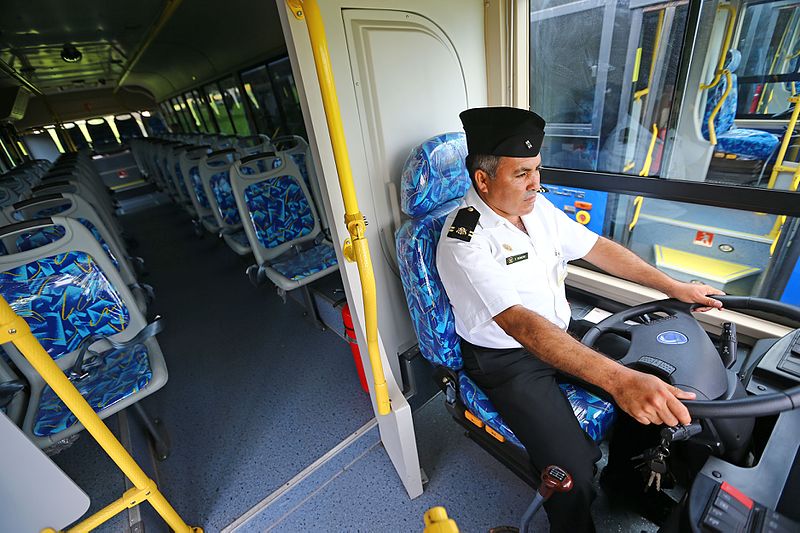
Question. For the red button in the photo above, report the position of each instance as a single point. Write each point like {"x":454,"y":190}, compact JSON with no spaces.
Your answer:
{"x":736,"y":493}
{"x":584,"y":205}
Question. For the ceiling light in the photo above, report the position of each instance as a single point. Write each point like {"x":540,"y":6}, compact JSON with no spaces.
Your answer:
{"x":70,"y":54}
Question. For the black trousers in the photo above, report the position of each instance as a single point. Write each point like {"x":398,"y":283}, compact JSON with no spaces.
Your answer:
{"x":524,"y":391}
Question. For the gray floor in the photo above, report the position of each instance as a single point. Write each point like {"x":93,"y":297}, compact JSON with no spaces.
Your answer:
{"x":255,"y":392}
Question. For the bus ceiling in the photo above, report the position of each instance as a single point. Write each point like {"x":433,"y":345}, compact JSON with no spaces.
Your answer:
{"x":76,"y":54}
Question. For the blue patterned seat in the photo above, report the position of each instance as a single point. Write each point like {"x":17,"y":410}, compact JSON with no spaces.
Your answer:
{"x":214,"y":171}
{"x":73,"y":298}
{"x":281,"y":224}
{"x":434,"y":179}
{"x":72,"y":206}
{"x":188,"y":162}
{"x":754,"y":144}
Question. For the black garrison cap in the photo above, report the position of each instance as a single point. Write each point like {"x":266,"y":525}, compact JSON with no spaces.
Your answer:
{"x":503,"y":131}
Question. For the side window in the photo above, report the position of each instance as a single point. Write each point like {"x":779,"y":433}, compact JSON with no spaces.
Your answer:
{"x":218,"y":108}
{"x":233,"y":100}
{"x":602,"y":76}
{"x":286,"y":95}
{"x":261,"y":95}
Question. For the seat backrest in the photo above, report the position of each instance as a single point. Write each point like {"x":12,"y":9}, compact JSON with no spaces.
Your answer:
{"x":214,"y":173}
{"x":190,"y":162}
{"x":254,"y":144}
{"x":727,"y":113}
{"x":66,"y":289}
{"x":69,"y":205}
{"x":275,"y":204}
{"x":297,"y":147}
{"x":434,"y":179}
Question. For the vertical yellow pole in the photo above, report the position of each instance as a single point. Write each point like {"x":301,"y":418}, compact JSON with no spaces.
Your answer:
{"x":14,"y":329}
{"x":357,"y":249}
{"x":787,"y":137}
{"x":648,"y":160}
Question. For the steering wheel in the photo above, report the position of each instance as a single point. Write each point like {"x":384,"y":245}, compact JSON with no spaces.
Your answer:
{"x":673,"y":346}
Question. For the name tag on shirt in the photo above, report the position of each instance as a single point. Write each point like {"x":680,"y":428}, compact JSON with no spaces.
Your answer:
{"x":516,"y":258}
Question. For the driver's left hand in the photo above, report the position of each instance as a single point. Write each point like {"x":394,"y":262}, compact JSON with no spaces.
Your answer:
{"x":696,"y":293}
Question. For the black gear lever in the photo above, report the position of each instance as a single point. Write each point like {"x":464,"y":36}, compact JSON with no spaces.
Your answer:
{"x":554,"y":479}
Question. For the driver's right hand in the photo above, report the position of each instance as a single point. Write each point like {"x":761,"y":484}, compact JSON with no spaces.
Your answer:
{"x":650,"y":400}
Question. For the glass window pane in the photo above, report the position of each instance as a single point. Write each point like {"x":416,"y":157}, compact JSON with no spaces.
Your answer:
{"x":217,"y":104}
{"x":233,"y":99}
{"x":603,"y":77}
{"x":186,"y":113}
{"x":176,"y":108}
{"x":205,"y":113}
{"x":194,"y":112}
{"x":259,"y":92}
{"x":286,"y":94}
{"x":725,"y":248}
{"x":769,"y":43}
{"x":168,"y":116}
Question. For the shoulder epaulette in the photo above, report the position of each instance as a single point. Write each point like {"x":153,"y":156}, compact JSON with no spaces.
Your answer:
{"x":464,"y":224}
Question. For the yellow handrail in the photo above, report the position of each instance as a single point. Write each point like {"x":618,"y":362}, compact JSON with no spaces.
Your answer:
{"x":787,"y":137}
{"x":648,"y":160}
{"x":643,"y":92}
{"x":356,"y":247}
{"x":637,"y":208}
{"x":13,"y":328}
{"x":726,"y":43}
{"x":712,"y":130}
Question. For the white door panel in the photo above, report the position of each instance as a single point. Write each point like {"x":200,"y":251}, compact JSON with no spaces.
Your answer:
{"x":401,"y":77}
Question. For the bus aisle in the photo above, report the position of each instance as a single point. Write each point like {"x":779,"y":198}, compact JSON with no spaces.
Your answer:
{"x":255,"y":393}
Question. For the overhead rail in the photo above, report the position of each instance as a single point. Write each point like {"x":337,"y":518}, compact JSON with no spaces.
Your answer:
{"x":11,"y":71}
{"x":155,"y":29}
{"x":14,"y":329}
{"x":355,"y":249}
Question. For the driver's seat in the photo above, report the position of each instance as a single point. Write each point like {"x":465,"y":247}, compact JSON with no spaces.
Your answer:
{"x":434,"y":179}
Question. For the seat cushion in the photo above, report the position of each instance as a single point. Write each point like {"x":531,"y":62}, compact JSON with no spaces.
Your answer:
{"x":120,"y":374}
{"x":594,"y":414}
{"x":431,"y":314}
{"x":750,"y":143}
{"x":308,"y":262}
{"x":239,"y":237}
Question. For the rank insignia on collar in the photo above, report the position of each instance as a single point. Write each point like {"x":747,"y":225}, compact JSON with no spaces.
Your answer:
{"x":464,"y":224}
{"x":507,"y":247}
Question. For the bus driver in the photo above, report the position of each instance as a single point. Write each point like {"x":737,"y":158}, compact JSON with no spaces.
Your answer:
{"x":502,"y":259}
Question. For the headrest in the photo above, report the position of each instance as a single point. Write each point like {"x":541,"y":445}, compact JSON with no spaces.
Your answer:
{"x":434,"y":173}
{"x":732,"y":60}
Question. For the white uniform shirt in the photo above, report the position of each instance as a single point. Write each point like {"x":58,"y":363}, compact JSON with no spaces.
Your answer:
{"x":501,"y":267}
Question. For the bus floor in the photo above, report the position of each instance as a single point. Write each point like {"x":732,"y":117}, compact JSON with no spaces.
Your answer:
{"x":255,"y":392}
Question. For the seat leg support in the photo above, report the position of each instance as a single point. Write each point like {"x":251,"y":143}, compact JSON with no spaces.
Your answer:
{"x":311,"y":308}
{"x":157,"y":431}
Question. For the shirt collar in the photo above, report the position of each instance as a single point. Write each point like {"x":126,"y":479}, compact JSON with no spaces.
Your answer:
{"x":489,"y":219}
